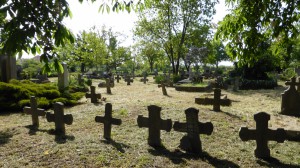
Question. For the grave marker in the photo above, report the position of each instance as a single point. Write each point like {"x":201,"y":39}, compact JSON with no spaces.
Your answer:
{"x":217,"y":101}
{"x":108,"y":90}
{"x":144,"y":79}
{"x":34,"y":111}
{"x":118,"y":78}
{"x":163,"y":88}
{"x":63,"y":79}
{"x":8,"y":68}
{"x":59,"y":118}
{"x":191,"y":142}
{"x":108,"y":121}
{"x":128,"y":80}
{"x":155,"y":124}
{"x":262,"y":135}
{"x":94,"y":97}
{"x":290,"y":99}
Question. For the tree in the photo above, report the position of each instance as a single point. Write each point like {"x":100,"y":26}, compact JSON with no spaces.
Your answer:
{"x":217,"y":53}
{"x":251,"y":23}
{"x":196,"y":56}
{"x":170,"y":23}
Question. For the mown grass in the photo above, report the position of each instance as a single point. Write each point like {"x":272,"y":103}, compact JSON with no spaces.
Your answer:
{"x":84,"y":146}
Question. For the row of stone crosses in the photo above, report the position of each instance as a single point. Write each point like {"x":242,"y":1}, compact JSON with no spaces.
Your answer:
{"x":190,"y":143}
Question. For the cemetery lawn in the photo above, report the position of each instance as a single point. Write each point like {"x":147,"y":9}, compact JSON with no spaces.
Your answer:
{"x":83,"y":145}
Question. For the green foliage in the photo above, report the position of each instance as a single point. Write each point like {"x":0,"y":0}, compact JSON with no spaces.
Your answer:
{"x":88,"y":82}
{"x":159,"y":79}
{"x":287,"y":74}
{"x":176,"y":78}
{"x":16,"y":94}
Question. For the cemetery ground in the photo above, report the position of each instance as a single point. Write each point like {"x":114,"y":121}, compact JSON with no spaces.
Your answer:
{"x":84,"y":145}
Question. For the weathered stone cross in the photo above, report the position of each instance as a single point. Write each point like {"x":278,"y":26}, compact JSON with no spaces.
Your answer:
{"x":128,"y":80}
{"x":155,"y":124}
{"x":107,"y":120}
{"x":59,"y":118}
{"x":262,"y":135}
{"x":34,"y":111}
{"x":118,"y":78}
{"x":144,"y":79}
{"x":163,"y":88}
{"x":191,"y":142}
{"x":108,"y":90}
{"x":217,"y":100}
{"x":94,"y":97}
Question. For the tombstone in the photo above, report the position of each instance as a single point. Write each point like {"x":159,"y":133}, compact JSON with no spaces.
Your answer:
{"x":262,"y":135}
{"x":144,"y":79}
{"x":118,"y":78}
{"x":107,"y":120}
{"x":163,"y":88}
{"x":59,"y":118}
{"x":217,"y":101}
{"x":290,"y":99}
{"x":236,"y":84}
{"x":63,"y":78}
{"x":108,"y":90}
{"x":42,"y":78}
{"x":128,"y":80}
{"x":191,"y":142}
{"x":155,"y":124}
{"x":94,"y":97}
{"x":80,"y":80}
{"x":34,"y":111}
{"x":8,"y":68}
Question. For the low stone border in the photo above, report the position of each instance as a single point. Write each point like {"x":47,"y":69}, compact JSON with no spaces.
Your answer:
{"x":193,"y":89}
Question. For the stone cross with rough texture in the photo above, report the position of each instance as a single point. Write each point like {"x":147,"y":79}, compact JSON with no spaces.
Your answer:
{"x":59,"y":118}
{"x":155,"y":124}
{"x":217,"y":99}
{"x":94,"y":97}
{"x":108,"y":90}
{"x":107,"y":120}
{"x":34,"y":111}
{"x":191,"y":142}
{"x":118,"y":78}
{"x":262,"y":135}
{"x":128,"y":80}
{"x":144,"y":79}
{"x":163,"y":88}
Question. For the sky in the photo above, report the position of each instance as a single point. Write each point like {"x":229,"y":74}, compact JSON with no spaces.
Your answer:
{"x":86,"y":15}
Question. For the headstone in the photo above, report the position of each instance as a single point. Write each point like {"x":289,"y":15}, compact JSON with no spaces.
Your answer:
{"x":163,"y":88}
{"x":59,"y":118}
{"x":290,"y":99}
{"x":262,"y":135}
{"x":128,"y":80}
{"x":94,"y":97}
{"x":80,"y":80}
{"x":43,"y":78}
{"x":107,"y":120}
{"x":118,"y":78}
{"x":155,"y":124}
{"x":34,"y":111}
{"x":8,"y":68}
{"x":144,"y":79}
{"x":63,"y":78}
{"x":217,"y":99}
{"x":108,"y":90}
{"x":191,"y":142}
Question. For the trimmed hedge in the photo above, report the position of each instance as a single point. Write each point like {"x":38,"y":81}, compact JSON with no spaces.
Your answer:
{"x":15,"y":95}
{"x":246,"y":84}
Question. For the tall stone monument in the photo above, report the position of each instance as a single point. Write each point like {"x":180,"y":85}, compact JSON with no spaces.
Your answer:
{"x":8,"y":68}
{"x":63,"y":78}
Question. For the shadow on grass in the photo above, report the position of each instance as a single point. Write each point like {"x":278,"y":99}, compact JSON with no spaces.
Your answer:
{"x":5,"y":136}
{"x":273,"y":162}
{"x":61,"y":138}
{"x":229,"y":114}
{"x":33,"y":129}
{"x":177,"y":157}
{"x":119,"y":146}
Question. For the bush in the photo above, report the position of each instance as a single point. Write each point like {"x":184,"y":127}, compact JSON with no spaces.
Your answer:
{"x":257,"y":84}
{"x":159,"y":79}
{"x":287,"y":74}
{"x":176,"y":78}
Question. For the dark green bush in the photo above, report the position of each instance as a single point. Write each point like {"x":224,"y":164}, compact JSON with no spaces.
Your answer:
{"x":50,"y":94}
{"x":257,"y":84}
{"x":159,"y":79}
{"x":176,"y":78}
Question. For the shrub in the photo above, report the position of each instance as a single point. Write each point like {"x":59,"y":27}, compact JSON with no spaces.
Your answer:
{"x":50,"y":94}
{"x":176,"y":78}
{"x":257,"y":84}
{"x":287,"y":74}
{"x":159,"y":79}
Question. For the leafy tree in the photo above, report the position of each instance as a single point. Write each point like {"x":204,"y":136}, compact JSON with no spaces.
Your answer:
{"x":217,"y":53}
{"x":170,"y":24}
{"x":196,"y":56}
{"x":251,"y":23}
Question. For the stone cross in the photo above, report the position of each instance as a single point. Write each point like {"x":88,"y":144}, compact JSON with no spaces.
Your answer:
{"x":144,"y":79}
{"x":163,"y":87}
{"x":107,"y":120}
{"x":191,"y":142}
{"x":34,"y":111}
{"x":128,"y":80}
{"x":118,"y":78}
{"x":63,"y":78}
{"x":108,"y":90}
{"x":155,"y":124}
{"x":217,"y":99}
{"x":262,"y":135}
{"x":59,"y":118}
{"x":94,"y":97}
